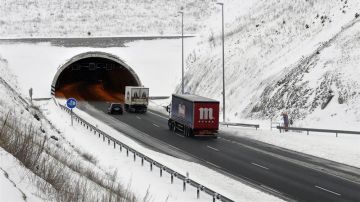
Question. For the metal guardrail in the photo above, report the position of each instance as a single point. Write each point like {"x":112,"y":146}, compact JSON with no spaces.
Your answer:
{"x":256,"y":126}
{"x":151,"y":161}
{"x":319,"y":130}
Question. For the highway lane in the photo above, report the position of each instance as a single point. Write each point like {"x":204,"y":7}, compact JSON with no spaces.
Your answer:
{"x":277,"y":169}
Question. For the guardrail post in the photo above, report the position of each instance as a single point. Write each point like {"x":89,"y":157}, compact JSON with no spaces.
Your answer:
{"x":160,"y":172}
{"x":142,"y":161}
{"x":172,"y":178}
{"x":108,"y":141}
{"x":214,"y":197}
{"x":127,"y":152}
{"x":198,"y":193}
{"x":336,"y":134}
{"x":114,"y":144}
{"x":151,"y":165}
{"x":307,"y":132}
{"x":184,"y":185}
{"x":134,"y":156}
{"x":120,"y":147}
{"x":99,"y":135}
{"x":103,"y":138}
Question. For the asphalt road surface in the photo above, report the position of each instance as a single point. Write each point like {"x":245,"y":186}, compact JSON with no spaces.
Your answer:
{"x":281,"y":172}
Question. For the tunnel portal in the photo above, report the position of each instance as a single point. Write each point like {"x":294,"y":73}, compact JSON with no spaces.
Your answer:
{"x":94,"y":76}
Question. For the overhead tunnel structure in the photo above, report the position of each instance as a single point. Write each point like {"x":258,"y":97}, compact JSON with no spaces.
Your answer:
{"x":96,"y":73}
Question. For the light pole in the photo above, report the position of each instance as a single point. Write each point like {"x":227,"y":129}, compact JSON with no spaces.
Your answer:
{"x":182,"y":51}
{"x":223,"y":58}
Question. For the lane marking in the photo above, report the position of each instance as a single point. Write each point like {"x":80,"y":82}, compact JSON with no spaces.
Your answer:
{"x":212,"y":164}
{"x":156,"y":125}
{"x":138,"y":117}
{"x":299,"y":163}
{"x":255,"y":164}
{"x":327,"y":190}
{"x":212,"y":148}
{"x":157,"y":115}
{"x":179,"y":135}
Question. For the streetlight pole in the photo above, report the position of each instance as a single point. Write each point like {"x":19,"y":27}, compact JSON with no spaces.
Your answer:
{"x":182,"y":51}
{"x":223,"y":58}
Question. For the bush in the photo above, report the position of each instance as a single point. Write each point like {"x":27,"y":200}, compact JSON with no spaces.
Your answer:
{"x":63,"y":179}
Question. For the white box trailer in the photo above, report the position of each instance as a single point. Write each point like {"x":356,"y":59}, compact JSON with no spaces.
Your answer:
{"x":136,"y":99}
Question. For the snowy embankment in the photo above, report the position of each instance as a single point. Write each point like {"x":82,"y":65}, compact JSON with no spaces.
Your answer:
{"x":47,"y":167}
{"x":87,"y":18}
{"x":295,"y":56}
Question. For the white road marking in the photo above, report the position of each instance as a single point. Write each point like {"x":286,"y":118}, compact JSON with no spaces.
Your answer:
{"x":179,"y":135}
{"x":156,"y":125}
{"x":212,"y":148}
{"x":255,"y":164}
{"x":298,"y":162}
{"x":157,"y":115}
{"x":138,"y":117}
{"x":213,"y":164}
{"x":327,"y":190}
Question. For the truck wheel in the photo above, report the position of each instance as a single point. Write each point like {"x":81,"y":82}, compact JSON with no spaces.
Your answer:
{"x":170,"y":125}
{"x":191,"y":134}
{"x":174,"y":127}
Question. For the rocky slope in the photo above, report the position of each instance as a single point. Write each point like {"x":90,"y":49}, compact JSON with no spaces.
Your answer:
{"x":295,"y":56}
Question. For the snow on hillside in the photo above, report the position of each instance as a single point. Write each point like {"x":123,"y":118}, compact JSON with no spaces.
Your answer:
{"x":52,"y":18}
{"x":284,"y":56}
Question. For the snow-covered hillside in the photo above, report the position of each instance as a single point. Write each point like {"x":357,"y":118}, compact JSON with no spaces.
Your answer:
{"x":295,"y":56}
{"x":53,"y":18}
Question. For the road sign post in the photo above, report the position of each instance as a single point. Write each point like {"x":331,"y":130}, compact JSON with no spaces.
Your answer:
{"x":71,"y":104}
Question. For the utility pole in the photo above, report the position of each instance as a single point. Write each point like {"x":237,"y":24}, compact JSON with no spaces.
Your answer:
{"x":182,"y":51}
{"x":223,"y":58}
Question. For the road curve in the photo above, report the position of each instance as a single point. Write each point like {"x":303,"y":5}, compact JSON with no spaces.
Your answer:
{"x":237,"y":157}
{"x":279,"y":171}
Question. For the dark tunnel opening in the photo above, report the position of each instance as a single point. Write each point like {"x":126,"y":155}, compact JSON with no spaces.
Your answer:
{"x":94,"y":79}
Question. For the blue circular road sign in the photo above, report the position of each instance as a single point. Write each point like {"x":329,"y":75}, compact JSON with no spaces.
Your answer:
{"x":71,"y":103}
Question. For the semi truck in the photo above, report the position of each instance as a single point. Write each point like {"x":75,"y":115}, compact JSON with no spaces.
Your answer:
{"x":136,"y":99}
{"x":194,"y":115}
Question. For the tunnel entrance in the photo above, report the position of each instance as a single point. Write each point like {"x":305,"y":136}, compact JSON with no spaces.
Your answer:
{"x":94,"y":76}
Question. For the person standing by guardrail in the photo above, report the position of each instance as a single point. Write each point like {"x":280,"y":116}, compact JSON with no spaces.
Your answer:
{"x":286,"y":120}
